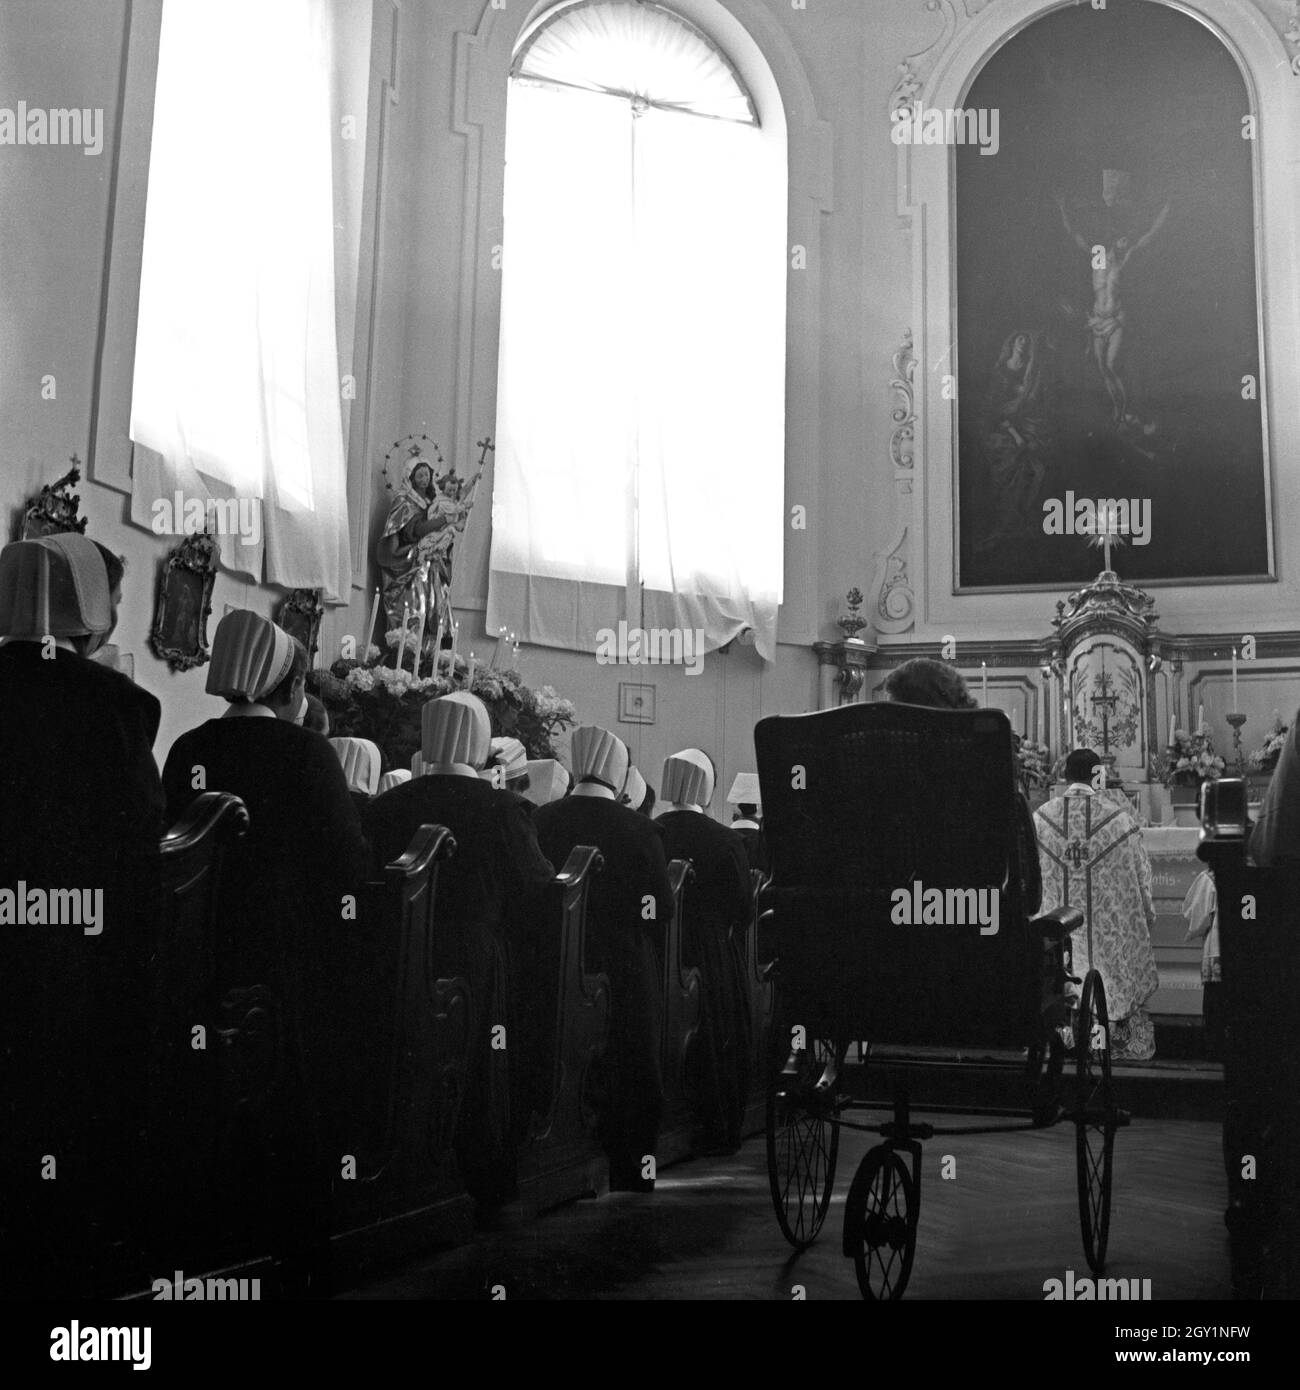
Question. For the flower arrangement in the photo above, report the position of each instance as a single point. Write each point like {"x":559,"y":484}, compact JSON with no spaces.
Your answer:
{"x":1192,"y":759}
{"x":1264,"y":758}
{"x":1033,"y":765}
{"x":371,"y":699}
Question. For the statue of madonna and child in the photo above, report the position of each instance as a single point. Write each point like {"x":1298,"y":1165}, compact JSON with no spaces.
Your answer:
{"x":414,"y":554}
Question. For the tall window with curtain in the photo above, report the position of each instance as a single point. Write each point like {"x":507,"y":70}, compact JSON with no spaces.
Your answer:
{"x":641,"y":381}
{"x":236,"y":384}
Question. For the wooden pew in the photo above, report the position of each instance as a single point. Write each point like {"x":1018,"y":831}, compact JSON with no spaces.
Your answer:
{"x":398,"y":1073}
{"x":681,"y":1020}
{"x":757,"y":959}
{"x":1259,"y":937}
{"x":560,"y":1157}
{"x":212,"y":1058}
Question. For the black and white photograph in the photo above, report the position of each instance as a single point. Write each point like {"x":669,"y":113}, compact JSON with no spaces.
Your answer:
{"x":667,"y":671}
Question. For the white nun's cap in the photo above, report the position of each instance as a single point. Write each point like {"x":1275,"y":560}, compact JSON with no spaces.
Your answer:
{"x":250,"y":656}
{"x":456,"y":728}
{"x":745,"y":790}
{"x":361,"y":761}
{"x":392,"y":779}
{"x":548,"y":780}
{"x":599,"y":754}
{"x":510,"y":755}
{"x":634,"y":789}
{"x":688,"y":778}
{"x":55,"y":586}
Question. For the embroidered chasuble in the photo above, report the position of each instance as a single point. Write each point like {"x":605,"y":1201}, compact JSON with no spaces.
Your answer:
{"x":1093,"y":858}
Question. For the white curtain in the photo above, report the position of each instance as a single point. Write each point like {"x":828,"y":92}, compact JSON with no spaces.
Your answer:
{"x":641,"y":383}
{"x":237,"y":387}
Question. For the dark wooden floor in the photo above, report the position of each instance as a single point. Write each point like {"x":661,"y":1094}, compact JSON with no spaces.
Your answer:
{"x":1003,"y":1225}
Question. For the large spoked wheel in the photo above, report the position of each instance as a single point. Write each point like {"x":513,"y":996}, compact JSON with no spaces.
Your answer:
{"x":1095,"y":1119}
{"x":802,"y":1141}
{"x":880,"y":1224}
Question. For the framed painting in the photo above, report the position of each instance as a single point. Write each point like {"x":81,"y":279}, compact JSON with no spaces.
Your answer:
{"x":180,"y":625}
{"x":300,"y":616}
{"x":1108,"y":329}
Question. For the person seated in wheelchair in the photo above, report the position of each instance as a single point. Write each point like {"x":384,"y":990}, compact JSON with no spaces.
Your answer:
{"x":938,"y":685}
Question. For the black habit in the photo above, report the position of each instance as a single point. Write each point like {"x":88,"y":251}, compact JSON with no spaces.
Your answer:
{"x":81,"y":808}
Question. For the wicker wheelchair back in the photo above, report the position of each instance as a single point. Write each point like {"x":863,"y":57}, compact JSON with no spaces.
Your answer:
{"x":896,"y":875}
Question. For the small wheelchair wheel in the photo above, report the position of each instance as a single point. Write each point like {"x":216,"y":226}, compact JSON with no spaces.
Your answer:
{"x":1095,"y":1119}
{"x":803,"y":1142}
{"x":880,"y":1224}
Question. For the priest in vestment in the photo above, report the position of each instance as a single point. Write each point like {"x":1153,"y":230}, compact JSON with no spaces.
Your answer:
{"x":1093,"y":858}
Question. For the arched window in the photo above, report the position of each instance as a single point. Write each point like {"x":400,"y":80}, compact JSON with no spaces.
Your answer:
{"x":641,"y":384}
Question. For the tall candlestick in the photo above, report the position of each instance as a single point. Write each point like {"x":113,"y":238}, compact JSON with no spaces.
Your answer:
{"x":1235,"y":706}
{"x":370,"y":631}
{"x":1200,"y":719}
{"x":419,"y":639}
{"x":984,"y":676}
{"x":401,"y":642}
{"x":1173,"y":731}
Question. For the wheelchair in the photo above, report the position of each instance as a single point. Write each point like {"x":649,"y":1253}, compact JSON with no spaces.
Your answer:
{"x":862,"y":805}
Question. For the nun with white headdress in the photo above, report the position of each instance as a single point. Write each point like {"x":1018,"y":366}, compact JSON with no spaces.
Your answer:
{"x":284,"y":887}
{"x":81,"y":810}
{"x":361,"y":761}
{"x":746,"y":797}
{"x":718,"y":911}
{"x":303,"y":850}
{"x":490,"y":912}
{"x":630,"y":901}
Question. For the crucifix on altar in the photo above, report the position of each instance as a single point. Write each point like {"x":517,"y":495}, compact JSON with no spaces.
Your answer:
{"x":1105,"y":702}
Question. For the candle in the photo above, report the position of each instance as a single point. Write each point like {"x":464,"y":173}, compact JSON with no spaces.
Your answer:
{"x":1200,"y":719}
{"x":401,"y":644}
{"x":455,"y":633}
{"x":1235,"y":706}
{"x":984,"y":674}
{"x":514,"y":652}
{"x":419,"y":638}
{"x":1173,"y":731}
{"x":473,"y":667}
{"x":437,"y":646}
{"x":370,"y":631}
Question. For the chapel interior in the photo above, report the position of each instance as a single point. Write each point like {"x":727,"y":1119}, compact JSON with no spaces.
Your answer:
{"x":633,"y":375}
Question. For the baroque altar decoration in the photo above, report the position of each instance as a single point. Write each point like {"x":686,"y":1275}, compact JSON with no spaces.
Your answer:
{"x":54,"y":509}
{"x":180,"y":626}
{"x":372,"y":699}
